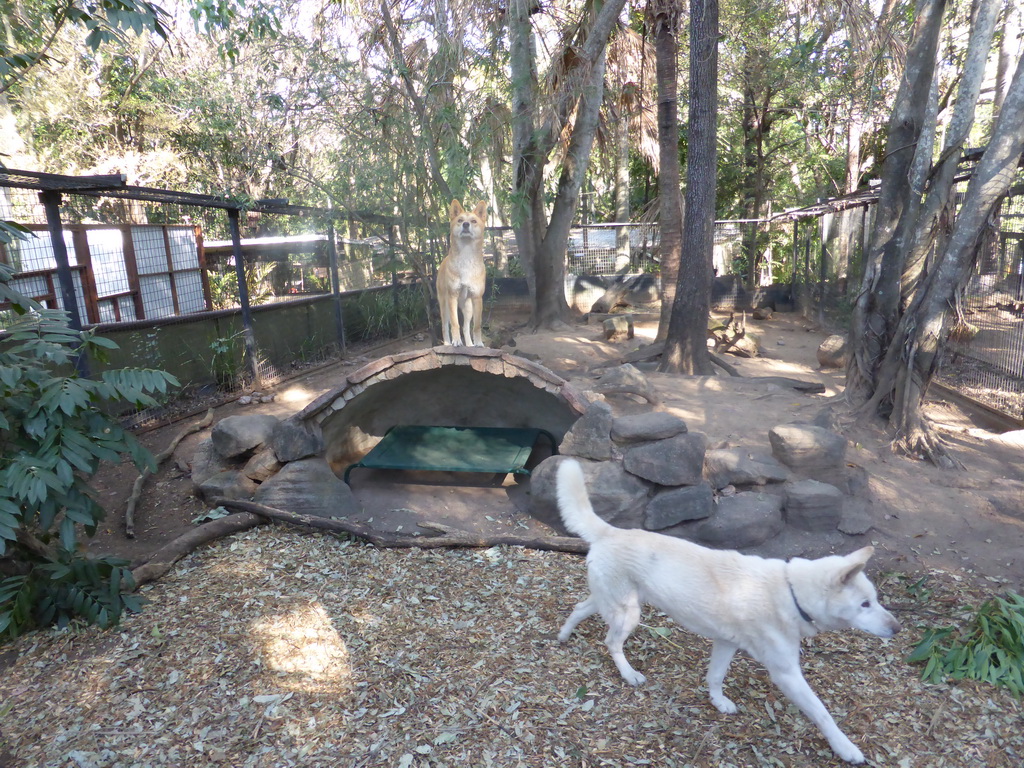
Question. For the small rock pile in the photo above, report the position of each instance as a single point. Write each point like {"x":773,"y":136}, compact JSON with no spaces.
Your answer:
{"x":649,"y":471}
{"x":271,"y":461}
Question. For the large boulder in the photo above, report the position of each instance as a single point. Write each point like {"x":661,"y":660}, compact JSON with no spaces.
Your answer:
{"x":229,"y":484}
{"x":678,"y":460}
{"x":741,"y":466}
{"x":207,"y":462}
{"x":743,"y":520}
{"x":615,"y":495}
{"x":626,"y":380}
{"x":805,"y":447}
{"x":643,"y":427}
{"x":262,"y":465}
{"x":236,"y":436}
{"x":679,"y":505}
{"x":293,"y":440}
{"x":618,"y":327}
{"x":590,"y":436}
{"x":813,"y":506}
{"x":308,"y":487}
{"x":832,"y":352}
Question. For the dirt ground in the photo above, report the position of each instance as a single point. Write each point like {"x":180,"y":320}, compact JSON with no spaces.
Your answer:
{"x":969,"y":521}
{"x":273,"y":648}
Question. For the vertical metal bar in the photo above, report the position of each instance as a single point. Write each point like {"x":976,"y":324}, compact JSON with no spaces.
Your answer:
{"x":204,"y":274}
{"x":131,"y":267}
{"x":51,"y":204}
{"x":80,"y":240}
{"x":243,"y":298}
{"x":172,"y":278}
{"x":332,"y":255}
{"x":794,"y":294}
{"x":823,"y":272}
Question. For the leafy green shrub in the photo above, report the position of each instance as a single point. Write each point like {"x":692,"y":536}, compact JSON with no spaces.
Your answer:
{"x":990,"y":648}
{"x":384,"y":314}
{"x":54,"y":432}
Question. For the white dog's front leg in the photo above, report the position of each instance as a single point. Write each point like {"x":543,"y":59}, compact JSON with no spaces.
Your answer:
{"x":792,"y":683}
{"x":718,"y":666}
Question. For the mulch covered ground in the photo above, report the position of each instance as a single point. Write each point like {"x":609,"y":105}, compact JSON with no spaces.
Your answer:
{"x":280,"y":648}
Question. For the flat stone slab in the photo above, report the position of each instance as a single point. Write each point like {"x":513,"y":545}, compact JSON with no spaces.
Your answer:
{"x":679,"y":505}
{"x":678,"y":460}
{"x":642,"y":427}
{"x":741,"y":466}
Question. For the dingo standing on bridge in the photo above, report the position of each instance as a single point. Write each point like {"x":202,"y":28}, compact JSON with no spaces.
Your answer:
{"x":461,"y":278}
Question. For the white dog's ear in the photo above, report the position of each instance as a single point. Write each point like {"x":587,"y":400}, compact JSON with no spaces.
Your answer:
{"x":855,"y":562}
{"x":481,"y":210}
{"x":456,"y":209}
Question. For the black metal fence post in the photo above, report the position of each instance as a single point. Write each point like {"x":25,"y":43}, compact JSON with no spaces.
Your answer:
{"x":51,"y":204}
{"x":249,"y":336}
{"x":332,"y":255}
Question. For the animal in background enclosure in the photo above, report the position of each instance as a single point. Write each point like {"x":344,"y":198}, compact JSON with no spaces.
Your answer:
{"x":461,"y":278}
{"x":762,"y":606}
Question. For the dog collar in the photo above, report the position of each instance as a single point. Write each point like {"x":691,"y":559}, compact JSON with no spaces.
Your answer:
{"x":803,"y":614}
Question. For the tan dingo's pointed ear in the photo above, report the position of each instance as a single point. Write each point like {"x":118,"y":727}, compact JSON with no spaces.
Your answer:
{"x":481,"y":210}
{"x":456,"y":209}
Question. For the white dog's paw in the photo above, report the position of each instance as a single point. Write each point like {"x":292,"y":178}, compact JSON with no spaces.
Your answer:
{"x":633,"y":677}
{"x":724,"y":705}
{"x":563,"y":636}
{"x":848,"y":751}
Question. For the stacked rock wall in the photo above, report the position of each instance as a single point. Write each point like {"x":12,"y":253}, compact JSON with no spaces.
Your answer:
{"x":649,"y":471}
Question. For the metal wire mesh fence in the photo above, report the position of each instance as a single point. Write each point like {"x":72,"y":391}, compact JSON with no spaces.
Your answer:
{"x":161,"y":278}
{"x":984,"y":357}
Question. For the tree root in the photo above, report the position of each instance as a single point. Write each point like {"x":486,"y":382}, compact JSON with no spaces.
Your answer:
{"x":160,"y":458}
{"x":249,"y":514}
{"x":924,"y":442}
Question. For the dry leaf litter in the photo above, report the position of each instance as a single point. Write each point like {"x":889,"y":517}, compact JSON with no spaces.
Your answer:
{"x":280,"y":649}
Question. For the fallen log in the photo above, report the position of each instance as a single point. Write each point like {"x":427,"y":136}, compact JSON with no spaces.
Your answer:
{"x":446,"y":536}
{"x":161,"y":561}
{"x":249,"y":514}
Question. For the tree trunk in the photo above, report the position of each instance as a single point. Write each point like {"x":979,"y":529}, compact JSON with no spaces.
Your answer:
{"x":686,"y":349}
{"x":426,"y":131}
{"x":542,"y":246}
{"x":622,"y":242}
{"x":877,"y":306}
{"x":1009,"y":54}
{"x":550,"y":306}
{"x":940,"y":189}
{"x":665,"y":24}
{"x":913,"y":356}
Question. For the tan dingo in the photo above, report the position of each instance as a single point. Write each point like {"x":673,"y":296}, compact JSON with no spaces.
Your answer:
{"x":461,"y":277}
{"x":763,"y":606}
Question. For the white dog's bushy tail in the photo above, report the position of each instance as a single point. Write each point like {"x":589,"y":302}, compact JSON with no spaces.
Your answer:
{"x":574,"y":503}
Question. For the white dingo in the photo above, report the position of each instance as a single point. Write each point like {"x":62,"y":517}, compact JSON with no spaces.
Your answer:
{"x":762,"y":606}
